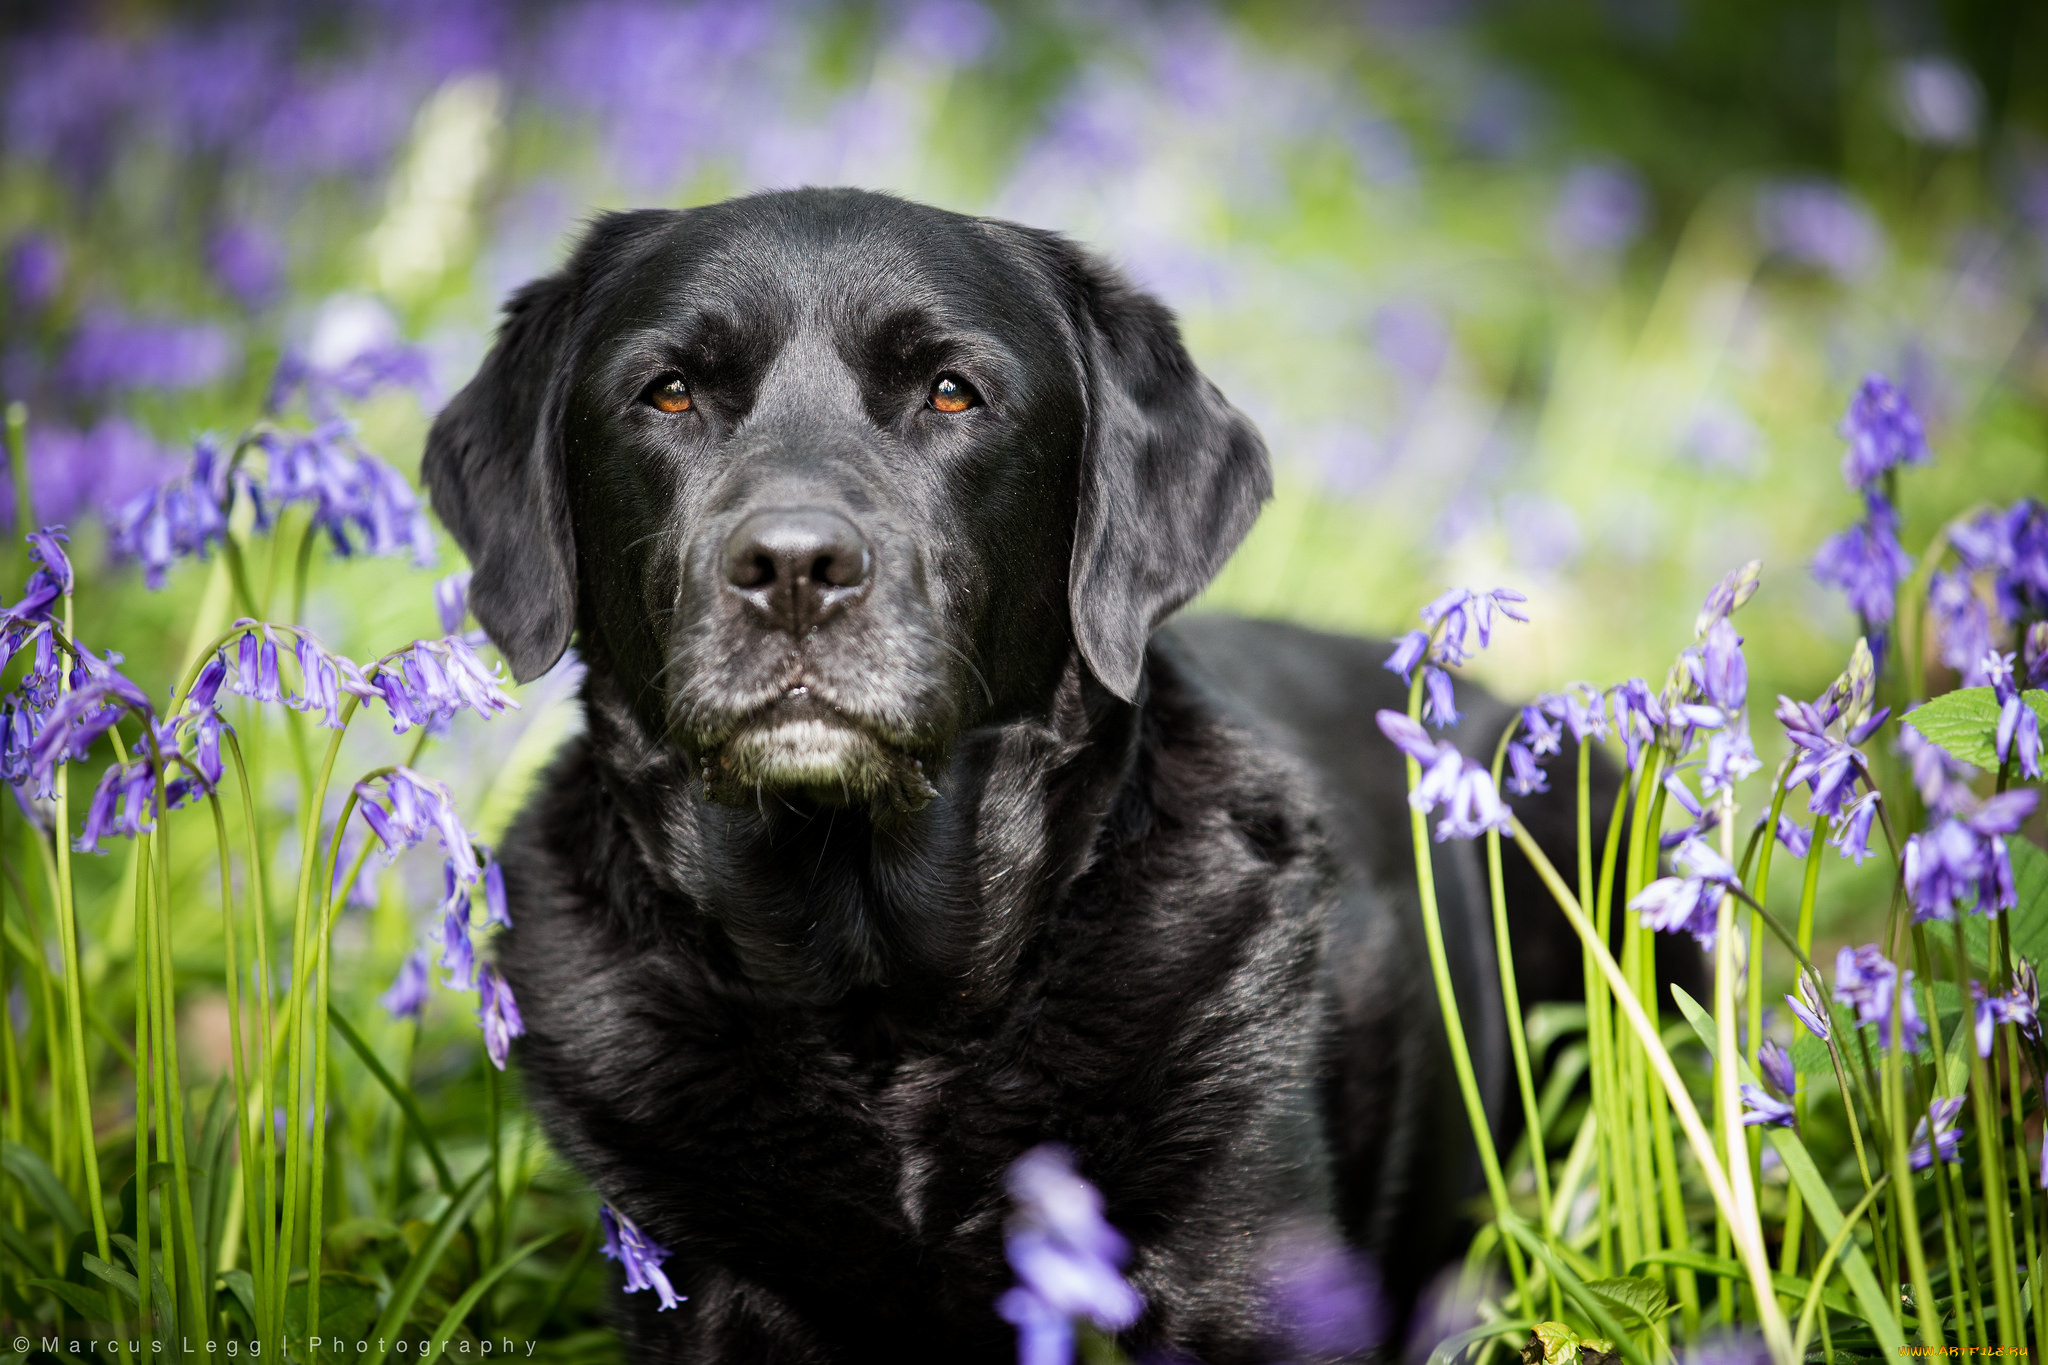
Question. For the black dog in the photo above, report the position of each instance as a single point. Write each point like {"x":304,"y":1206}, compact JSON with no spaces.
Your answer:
{"x":898,"y":842}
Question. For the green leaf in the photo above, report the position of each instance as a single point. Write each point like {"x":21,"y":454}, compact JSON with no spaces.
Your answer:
{"x":2029,"y":919}
{"x":114,"y":1276}
{"x":408,"y":1287}
{"x":87,"y":1303}
{"x":1635,"y":1296}
{"x":243,"y":1287}
{"x":1965,"y":722}
{"x":43,"y":1186}
{"x":461,"y":1309}
{"x":1450,"y":1348}
{"x":1560,"y":1343}
{"x":348,"y":1305}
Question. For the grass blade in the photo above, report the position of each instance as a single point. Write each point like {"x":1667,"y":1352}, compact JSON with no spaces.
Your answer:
{"x":460,"y":1309}
{"x":399,"y":1094}
{"x":408,"y":1287}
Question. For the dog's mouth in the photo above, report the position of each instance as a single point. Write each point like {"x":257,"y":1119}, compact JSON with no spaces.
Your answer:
{"x":800,"y":744}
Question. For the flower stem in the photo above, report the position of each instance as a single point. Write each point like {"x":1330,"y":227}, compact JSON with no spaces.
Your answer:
{"x":1447,"y":1000}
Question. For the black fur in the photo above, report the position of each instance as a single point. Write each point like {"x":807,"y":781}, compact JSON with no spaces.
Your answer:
{"x":1154,"y":901}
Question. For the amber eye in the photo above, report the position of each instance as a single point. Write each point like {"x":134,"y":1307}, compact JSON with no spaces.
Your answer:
{"x":950,"y":393}
{"x":668,"y":393}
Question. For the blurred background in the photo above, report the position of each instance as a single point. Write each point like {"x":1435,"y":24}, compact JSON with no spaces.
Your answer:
{"x":1565,"y":297}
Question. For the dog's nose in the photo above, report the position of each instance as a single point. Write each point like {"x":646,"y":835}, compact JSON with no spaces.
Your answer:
{"x":796,"y":566}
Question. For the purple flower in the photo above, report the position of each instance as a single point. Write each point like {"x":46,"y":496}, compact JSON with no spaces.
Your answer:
{"x":639,"y":1255}
{"x":1688,"y":902}
{"x":1581,"y":706}
{"x":1776,"y":1065}
{"x":1600,"y":209}
{"x":1964,"y":859}
{"x":1449,"y":779}
{"x":353,"y":493}
{"x":1730,"y":758}
{"x":1638,"y":716}
{"x":1867,"y":563}
{"x":458,"y":951}
{"x":1942,"y":779}
{"x":2034,"y":653}
{"x":1408,"y":652}
{"x":1545,"y":736}
{"x":1946,"y":1140}
{"x":1760,"y":1107}
{"x":248,"y":261}
{"x":256,"y":675}
{"x":1883,"y":433}
{"x":79,"y":718}
{"x":1796,"y":838}
{"x":1526,"y":777}
{"x":1065,"y":1253}
{"x":114,"y":353}
{"x":35,"y":271}
{"x":1702,"y":818}
{"x":1724,"y":675}
{"x":1829,"y":761}
{"x":1727,"y":596}
{"x":1816,"y":224}
{"x":1809,"y":1008}
{"x":1327,"y":1297}
{"x":2015,"y":1007}
{"x":1460,"y":613}
{"x":416,"y":807}
{"x":354,"y":351}
{"x":1866,"y":981}
{"x":1439,"y":699}
{"x":1852,"y":832}
{"x":1961,"y":623}
{"x":408,"y":993}
{"x":499,"y":1015}
{"x":430,"y":680}
{"x":2019,"y":727}
{"x":451,"y":601}
{"x":495,"y":911}
{"x":183,"y":515}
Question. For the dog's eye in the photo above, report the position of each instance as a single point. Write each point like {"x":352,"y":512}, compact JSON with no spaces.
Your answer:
{"x":668,"y":393}
{"x":951,"y":393}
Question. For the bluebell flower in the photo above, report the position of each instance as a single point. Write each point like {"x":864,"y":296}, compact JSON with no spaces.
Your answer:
{"x":1775,"y":1064}
{"x":1852,"y":831}
{"x":499,"y":1014}
{"x":1964,"y":859}
{"x":1961,"y":623}
{"x":112,"y":353}
{"x":1703,"y":819}
{"x":639,"y":1255}
{"x":2012,"y":546}
{"x":2018,"y":738}
{"x":1942,"y":779}
{"x":2016,"y":1006}
{"x":256,"y":675}
{"x":2034,"y":654}
{"x":247,"y":261}
{"x":1731,"y":757}
{"x":1796,"y":839}
{"x":1689,"y":901}
{"x":495,"y":911}
{"x":1439,"y":700}
{"x":1728,"y":596}
{"x":408,"y":993}
{"x":458,"y":950}
{"x":427,"y":682}
{"x":35,"y":272}
{"x":352,"y":492}
{"x":1463,"y":788}
{"x":1525,"y":776}
{"x":184,"y":515}
{"x":1761,"y":1107}
{"x":1638,"y":716}
{"x":1827,"y":734}
{"x":1867,"y":563}
{"x":1809,"y":1008}
{"x":1816,"y":223}
{"x":416,"y":806}
{"x":1460,"y":613}
{"x":1328,"y":1298}
{"x":1866,"y":981}
{"x":86,"y":713}
{"x":1883,"y":433}
{"x":1066,"y":1256}
{"x":1946,"y":1139}
{"x":1545,"y":734}
{"x":327,"y":380}
{"x":451,"y":601}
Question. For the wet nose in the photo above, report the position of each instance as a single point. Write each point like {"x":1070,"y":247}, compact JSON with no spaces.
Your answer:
{"x":796,"y":566}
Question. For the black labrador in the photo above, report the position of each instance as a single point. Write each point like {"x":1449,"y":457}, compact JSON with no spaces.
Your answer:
{"x":901,"y":837}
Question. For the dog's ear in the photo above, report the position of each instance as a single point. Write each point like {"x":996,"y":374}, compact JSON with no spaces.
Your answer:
{"x":493,"y":466}
{"x":1171,"y":477}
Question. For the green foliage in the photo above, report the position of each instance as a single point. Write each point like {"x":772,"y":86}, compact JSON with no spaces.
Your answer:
{"x":1965,"y":722}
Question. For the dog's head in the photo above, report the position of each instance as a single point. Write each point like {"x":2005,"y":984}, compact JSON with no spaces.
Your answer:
{"x":824,"y":478}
